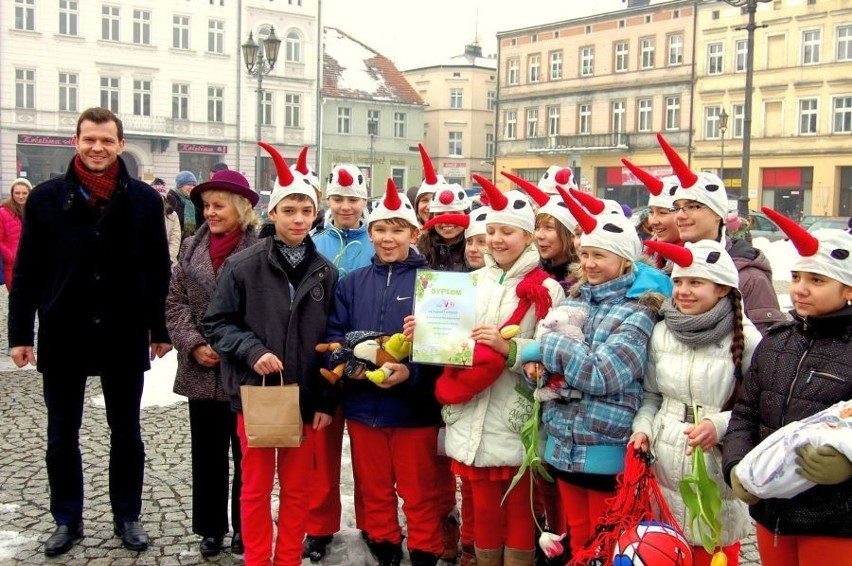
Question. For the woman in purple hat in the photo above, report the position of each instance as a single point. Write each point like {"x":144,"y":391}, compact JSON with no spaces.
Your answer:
{"x":228,"y":203}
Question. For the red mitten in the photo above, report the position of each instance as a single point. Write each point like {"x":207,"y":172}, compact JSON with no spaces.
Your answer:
{"x":459,"y":385}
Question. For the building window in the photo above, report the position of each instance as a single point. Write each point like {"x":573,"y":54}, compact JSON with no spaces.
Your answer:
{"x":68,"y":91}
{"x":344,"y":120}
{"x":535,"y":68}
{"x":294,"y":48}
{"x":489,"y":146}
{"x":844,"y":43}
{"x":621,"y":55}
{"x":587,"y":61}
{"x":266,"y":105}
{"x":644,"y":113}
{"x":142,"y":27}
{"x":180,"y":101}
{"x":555,"y":65}
{"x":141,"y":98}
{"x":739,"y":120}
{"x":455,"y":144}
{"x":110,"y":23}
{"x":216,"y":36}
{"x":399,"y":121}
{"x":715,"y":60}
{"x":842,"y":115}
{"x":491,"y":99}
{"x":808,"y":114}
{"x":711,"y":123}
{"x":618,"y":123}
{"x":109,"y":94}
{"x":511,"y":122}
{"x":25,"y":88}
{"x":373,"y":121}
{"x":456,"y":98}
{"x":68,"y":17}
{"x":585,"y":119}
{"x":25,"y":15}
{"x":514,"y":71}
{"x":672,"y":113}
{"x":646,"y":53}
{"x":740,"y":53}
{"x":180,"y":32}
{"x":552,"y":120}
{"x":675,"y":49}
{"x":292,"y":111}
{"x":398,"y":176}
{"x":216,"y":104}
{"x":811,"y":42}
{"x":532,"y":122}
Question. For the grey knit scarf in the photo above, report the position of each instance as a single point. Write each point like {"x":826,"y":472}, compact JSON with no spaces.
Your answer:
{"x":700,"y":329}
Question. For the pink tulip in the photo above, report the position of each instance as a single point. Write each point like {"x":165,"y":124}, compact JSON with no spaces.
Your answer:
{"x":551,"y":544}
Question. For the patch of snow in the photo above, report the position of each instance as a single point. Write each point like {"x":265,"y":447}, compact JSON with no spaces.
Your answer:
{"x":781,"y":255}
{"x":159,"y":381}
{"x":8,"y":507}
{"x":351,"y":56}
{"x":9,"y":543}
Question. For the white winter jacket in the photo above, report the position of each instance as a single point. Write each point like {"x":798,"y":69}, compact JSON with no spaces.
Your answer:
{"x":484,"y":432}
{"x":678,"y":376}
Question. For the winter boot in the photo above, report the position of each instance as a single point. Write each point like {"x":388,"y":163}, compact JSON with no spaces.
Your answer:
{"x":489,"y":557}
{"x":451,"y":535}
{"x":468,"y":555}
{"x":385,"y":553}
{"x":423,"y":558}
{"x":515,"y":557}
{"x":315,"y":547}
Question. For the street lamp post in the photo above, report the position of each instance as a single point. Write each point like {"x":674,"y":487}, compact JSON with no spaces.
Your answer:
{"x":751,"y":8}
{"x":723,"y":127}
{"x":260,"y":57}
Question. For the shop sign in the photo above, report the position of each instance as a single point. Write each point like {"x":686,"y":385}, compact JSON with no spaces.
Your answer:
{"x":201,"y":148}
{"x":30,"y":139}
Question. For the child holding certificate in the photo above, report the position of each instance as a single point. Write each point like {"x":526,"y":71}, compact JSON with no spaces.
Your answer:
{"x":393,"y":426}
{"x":483,"y":430}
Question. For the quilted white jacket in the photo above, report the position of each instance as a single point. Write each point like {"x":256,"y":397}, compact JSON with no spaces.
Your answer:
{"x":678,"y":376}
{"x":484,"y":431}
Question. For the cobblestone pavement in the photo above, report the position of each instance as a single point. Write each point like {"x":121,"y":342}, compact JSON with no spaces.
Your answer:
{"x":24,"y":515}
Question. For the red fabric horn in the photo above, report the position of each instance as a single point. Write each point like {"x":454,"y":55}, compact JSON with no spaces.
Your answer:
{"x":392,"y":201}
{"x":687,"y":178}
{"x":496,"y":199}
{"x":302,"y":162}
{"x":591,"y":203}
{"x":462,"y":220}
{"x":428,"y":169}
{"x":654,"y":185}
{"x":583,"y":218}
{"x":285,"y":176}
{"x":540,"y":197}
{"x":805,"y":244}
{"x":678,"y":254}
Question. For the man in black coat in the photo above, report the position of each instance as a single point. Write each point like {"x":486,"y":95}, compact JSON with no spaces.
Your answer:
{"x":93,"y":262}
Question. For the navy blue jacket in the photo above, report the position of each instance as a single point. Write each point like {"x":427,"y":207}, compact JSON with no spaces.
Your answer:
{"x":379,"y":297}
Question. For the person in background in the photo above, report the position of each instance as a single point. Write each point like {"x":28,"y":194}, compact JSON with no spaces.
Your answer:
{"x":93,"y":262}
{"x":216,"y":168}
{"x":11,"y":222}
{"x":442,"y":244}
{"x":173,"y":233}
{"x":700,"y":204}
{"x":430,"y":185}
{"x":266,"y":316}
{"x":687,"y":371}
{"x":801,"y":367}
{"x":227,"y":201}
{"x":189,"y":217}
{"x":474,"y":238}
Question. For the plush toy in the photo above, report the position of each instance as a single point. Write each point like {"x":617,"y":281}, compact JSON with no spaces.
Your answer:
{"x":367,"y":349}
{"x":566,"y":320}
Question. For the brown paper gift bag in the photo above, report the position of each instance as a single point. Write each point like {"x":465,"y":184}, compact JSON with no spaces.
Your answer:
{"x":271,"y":415}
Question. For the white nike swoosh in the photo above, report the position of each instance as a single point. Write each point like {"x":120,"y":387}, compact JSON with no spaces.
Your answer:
{"x":398,"y":298}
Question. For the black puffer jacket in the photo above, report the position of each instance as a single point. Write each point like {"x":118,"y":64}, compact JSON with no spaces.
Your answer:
{"x":800,"y":368}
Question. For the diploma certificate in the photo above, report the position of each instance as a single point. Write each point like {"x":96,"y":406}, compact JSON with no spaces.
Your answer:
{"x":444,"y":313}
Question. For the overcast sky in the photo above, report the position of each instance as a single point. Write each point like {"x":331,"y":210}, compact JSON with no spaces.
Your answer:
{"x":416,"y":34}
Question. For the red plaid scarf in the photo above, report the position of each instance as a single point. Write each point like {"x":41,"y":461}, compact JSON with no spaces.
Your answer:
{"x":100,"y":187}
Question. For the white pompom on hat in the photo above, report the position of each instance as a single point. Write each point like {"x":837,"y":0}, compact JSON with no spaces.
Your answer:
{"x":704,"y":259}
{"x":449,"y":199}
{"x":825,"y":251}
{"x":556,"y":175}
{"x":611,"y":232}
{"x":346,"y":181}
{"x":705,"y":188}
{"x":394,"y":205}
{"x":511,"y":208}
{"x":288,"y":182}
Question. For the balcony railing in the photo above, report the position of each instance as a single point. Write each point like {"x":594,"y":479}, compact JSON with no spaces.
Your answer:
{"x":593,"y":142}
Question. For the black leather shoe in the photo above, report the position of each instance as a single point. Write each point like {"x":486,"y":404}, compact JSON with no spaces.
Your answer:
{"x":237,"y":546}
{"x":315,"y":547}
{"x":210,"y":546}
{"x":133,"y":535}
{"x":62,"y":539}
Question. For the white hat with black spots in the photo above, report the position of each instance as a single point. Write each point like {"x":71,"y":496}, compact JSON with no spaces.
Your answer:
{"x":704,"y":259}
{"x":512,"y":207}
{"x":288,"y":182}
{"x":477,"y":222}
{"x":556,"y":175}
{"x":705,"y":188}
{"x":346,"y":181}
{"x":392,"y":206}
{"x":611,"y":232}
{"x":452,"y":198}
{"x":302,"y":167}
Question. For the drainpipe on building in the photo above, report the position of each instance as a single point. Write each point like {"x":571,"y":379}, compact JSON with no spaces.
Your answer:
{"x":496,"y":119}
{"x":689,"y":148}
{"x":319,"y":102}
{"x":239,"y":63}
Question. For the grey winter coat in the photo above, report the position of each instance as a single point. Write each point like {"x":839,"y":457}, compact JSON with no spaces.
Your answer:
{"x":191,"y":289}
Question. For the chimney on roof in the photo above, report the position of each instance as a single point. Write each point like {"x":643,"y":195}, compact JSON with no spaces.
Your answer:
{"x":473,"y":49}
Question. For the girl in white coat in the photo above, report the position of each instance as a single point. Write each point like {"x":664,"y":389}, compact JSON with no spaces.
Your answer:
{"x":698,"y":354}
